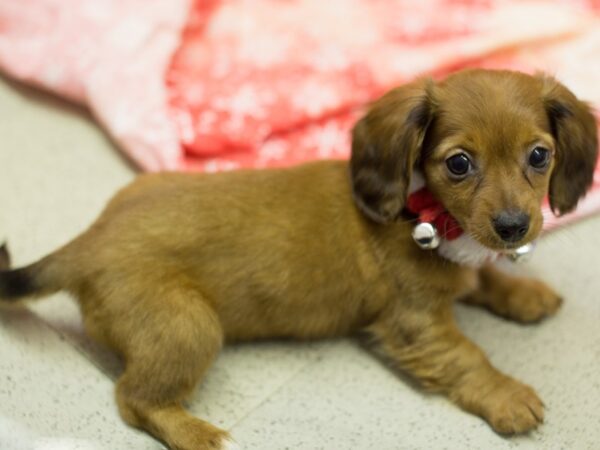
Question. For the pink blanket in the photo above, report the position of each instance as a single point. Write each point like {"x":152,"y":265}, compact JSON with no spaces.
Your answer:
{"x":220,"y":84}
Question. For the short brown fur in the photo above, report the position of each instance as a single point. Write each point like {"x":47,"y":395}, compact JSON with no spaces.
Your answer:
{"x":179,"y":264}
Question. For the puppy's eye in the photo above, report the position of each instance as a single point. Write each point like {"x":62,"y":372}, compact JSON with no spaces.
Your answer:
{"x":539,"y":157}
{"x":459,"y":165}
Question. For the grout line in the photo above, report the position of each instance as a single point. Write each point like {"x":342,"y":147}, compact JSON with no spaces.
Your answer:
{"x":73,"y":344}
{"x":267,"y":397}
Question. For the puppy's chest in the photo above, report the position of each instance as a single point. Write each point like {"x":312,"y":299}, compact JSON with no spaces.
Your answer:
{"x":428,"y":279}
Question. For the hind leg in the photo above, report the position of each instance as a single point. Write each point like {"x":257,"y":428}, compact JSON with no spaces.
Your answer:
{"x":168,"y":340}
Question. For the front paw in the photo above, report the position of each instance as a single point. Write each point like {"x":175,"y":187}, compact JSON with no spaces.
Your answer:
{"x":530,"y":301}
{"x":512,"y":407}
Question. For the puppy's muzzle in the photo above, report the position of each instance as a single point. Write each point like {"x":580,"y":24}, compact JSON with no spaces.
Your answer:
{"x":511,"y":226}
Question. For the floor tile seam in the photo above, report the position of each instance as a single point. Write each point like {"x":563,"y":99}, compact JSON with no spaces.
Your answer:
{"x":305,"y":367}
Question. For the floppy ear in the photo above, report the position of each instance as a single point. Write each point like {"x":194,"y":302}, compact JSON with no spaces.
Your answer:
{"x":386,"y":145}
{"x":576,"y":135}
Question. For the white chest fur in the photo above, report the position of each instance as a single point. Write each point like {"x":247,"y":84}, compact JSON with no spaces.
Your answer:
{"x":466,"y":251}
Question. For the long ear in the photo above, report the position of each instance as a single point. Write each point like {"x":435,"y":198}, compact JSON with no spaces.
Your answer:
{"x":386,"y":145}
{"x":576,"y":135}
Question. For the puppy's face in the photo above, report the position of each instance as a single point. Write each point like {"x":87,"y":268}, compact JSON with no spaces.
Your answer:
{"x":492,"y":145}
{"x":488,"y":156}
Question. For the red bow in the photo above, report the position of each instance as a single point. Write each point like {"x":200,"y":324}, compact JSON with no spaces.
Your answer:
{"x":423,"y":204}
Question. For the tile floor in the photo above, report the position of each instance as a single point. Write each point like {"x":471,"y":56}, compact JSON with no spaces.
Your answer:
{"x":57,"y":169}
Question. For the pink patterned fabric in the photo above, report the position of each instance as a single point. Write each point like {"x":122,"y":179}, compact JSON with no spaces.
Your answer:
{"x":109,"y":54}
{"x":220,"y":84}
{"x":248,"y":70}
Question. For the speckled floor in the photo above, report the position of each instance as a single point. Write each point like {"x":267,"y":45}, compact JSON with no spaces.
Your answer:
{"x":57,"y":169}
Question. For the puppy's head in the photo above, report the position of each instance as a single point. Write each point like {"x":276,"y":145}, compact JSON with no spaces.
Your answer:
{"x":491,"y":144}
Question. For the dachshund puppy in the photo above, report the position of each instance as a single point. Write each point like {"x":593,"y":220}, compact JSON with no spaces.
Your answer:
{"x":179,"y":264}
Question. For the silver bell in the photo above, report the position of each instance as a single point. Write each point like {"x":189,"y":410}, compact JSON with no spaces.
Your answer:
{"x":523,"y":253}
{"x":426,"y":236}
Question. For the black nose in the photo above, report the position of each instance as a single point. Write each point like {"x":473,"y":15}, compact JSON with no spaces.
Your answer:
{"x":511,"y":226}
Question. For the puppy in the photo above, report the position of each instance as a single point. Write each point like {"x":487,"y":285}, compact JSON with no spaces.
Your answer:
{"x":179,"y":264}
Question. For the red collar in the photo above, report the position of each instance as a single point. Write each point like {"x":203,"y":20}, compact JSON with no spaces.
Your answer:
{"x":423,"y":204}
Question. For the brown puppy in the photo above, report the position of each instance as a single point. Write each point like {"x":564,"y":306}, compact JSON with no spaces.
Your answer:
{"x":179,"y":264}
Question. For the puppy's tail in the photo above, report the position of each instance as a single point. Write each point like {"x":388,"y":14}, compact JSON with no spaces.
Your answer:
{"x":35,"y":280}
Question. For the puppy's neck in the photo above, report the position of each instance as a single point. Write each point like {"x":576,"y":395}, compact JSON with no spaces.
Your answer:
{"x":463,"y":250}
{"x":466,"y":251}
